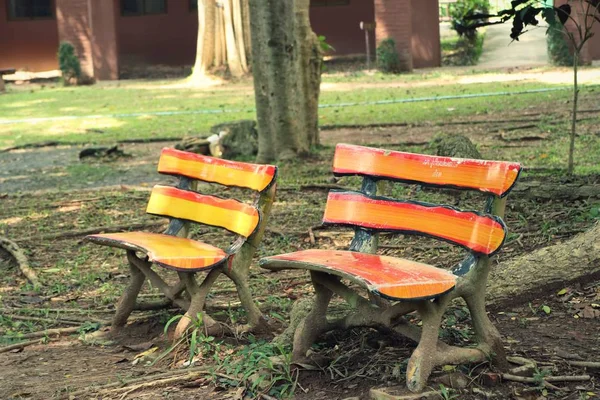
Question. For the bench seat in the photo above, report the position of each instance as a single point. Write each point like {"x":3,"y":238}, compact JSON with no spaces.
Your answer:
{"x":168,"y":251}
{"x":390,"y":277}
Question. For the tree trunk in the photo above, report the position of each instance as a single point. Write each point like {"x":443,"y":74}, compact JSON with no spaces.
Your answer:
{"x":219,"y":37}
{"x":286,"y":95}
{"x":200,"y":64}
{"x":205,"y":43}
{"x":233,"y":59}
{"x":246,"y":25}
{"x":311,"y":63}
{"x":546,"y":270}
{"x":238,"y":28}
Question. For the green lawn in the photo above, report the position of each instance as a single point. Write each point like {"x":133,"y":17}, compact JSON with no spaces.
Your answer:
{"x":107,"y":103}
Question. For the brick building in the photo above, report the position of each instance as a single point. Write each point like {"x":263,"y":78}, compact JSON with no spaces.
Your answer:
{"x":110,"y":33}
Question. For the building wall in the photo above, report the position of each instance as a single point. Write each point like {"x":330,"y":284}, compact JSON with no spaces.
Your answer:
{"x":594,"y":47}
{"x":29,"y":45}
{"x":591,"y":50}
{"x":104,"y":40}
{"x":340,"y":24}
{"x":425,"y":42}
{"x":393,"y":19}
{"x":158,"y":39}
{"x":72,"y":17}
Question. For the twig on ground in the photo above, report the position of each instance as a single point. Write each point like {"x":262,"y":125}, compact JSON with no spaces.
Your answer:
{"x":21,"y":259}
{"x":39,"y":319}
{"x":587,"y":364}
{"x":20,"y":345}
{"x":566,"y":378}
{"x":51,"y":332}
{"x":91,"y":231}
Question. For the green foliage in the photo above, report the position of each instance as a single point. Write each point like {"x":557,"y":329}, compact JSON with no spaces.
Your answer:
{"x":263,"y":366}
{"x":388,"y":59}
{"x":462,"y":10}
{"x":558,"y":48}
{"x":68,"y":63}
{"x":325,"y":47}
{"x":462,"y":50}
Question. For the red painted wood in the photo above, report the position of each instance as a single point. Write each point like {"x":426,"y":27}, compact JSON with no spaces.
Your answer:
{"x":479,"y":233}
{"x":391,"y":277}
{"x":496,"y":177}
{"x":172,"y":252}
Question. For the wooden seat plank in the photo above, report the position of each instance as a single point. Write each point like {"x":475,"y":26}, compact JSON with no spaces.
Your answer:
{"x":497,"y":177}
{"x":172,"y":252}
{"x":390,"y":277}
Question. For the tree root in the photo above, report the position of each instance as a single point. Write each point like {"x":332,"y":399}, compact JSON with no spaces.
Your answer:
{"x":567,"y":378}
{"x":21,"y":259}
{"x":21,"y":345}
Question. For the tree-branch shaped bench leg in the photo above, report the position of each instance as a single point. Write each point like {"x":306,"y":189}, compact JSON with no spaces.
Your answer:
{"x":487,"y":334}
{"x":256,"y":320}
{"x":315,"y":322}
{"x":423,"y":358}
{"x":198,"y":295}
{"x":128,"y":300}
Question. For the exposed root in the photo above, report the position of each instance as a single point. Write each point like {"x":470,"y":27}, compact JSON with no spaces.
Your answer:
{"x":21,"y":259}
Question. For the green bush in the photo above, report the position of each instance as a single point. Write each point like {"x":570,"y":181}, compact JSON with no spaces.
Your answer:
{"x":462,"y":50}
{"x":463,"y":8}
{"x":388,"y":59}
{"x":558,"y":48}
{"x":68,"y":63}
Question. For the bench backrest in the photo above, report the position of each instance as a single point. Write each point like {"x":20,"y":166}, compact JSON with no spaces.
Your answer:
{"x":496,"y":177}
{"x":480,"y":233}
{"x":183,"y":204}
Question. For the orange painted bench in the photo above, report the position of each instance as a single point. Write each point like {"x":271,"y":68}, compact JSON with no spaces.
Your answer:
{"x":398,"y":286}
{"x":175,"y":251}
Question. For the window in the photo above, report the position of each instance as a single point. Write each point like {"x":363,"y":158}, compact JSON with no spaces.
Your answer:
{"x":143,"y":7}
{"x":329,"y":3}
{"x":30,"y":9}
{"x":193,"y":5}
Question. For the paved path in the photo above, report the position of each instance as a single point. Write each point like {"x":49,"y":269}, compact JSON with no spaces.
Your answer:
{"x":499,"y":51}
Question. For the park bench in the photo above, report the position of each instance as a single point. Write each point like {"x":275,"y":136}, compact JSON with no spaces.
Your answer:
{"x":395,"y":286}
{"x":175,"y":251}
{"x":5,"y":71}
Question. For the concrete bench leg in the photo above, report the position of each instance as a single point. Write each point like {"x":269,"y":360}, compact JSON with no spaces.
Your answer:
{"x":315,"y":322}
{"x":128,"y":299}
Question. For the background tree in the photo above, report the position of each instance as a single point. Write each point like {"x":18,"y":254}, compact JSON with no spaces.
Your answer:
{"x":287,"y":78}
{"x":223,"y":36}
{"x":575,"y":19}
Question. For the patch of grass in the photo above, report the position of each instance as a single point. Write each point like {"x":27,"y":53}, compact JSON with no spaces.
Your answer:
{"x":109,"y":107}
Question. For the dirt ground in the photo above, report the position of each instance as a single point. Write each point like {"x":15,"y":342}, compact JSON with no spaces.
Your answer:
{"x":41,"y":194}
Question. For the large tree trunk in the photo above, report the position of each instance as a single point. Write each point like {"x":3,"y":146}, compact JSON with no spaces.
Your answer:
{"x":311,"y":63}
{"x":285,"y":89}
{"x":246,"y":25}
{"x":545,"y":270}
{"x":238,"y":28}
{"x":233,"y":59}
{"x":200,"y":64}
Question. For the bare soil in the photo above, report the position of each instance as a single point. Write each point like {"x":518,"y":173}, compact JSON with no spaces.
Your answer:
{"x":41,"y":196}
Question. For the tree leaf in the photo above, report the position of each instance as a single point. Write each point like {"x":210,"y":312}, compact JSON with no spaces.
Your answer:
{"x":561,"y":292}
{"x":546,"y":309}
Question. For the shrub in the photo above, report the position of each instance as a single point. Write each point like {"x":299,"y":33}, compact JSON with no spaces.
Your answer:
{"x":388,"y":60}
{"x":463,"y":8}
{"x":462,"y":50}
{"x":68,"y":63}
{"x":559,"y":52}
